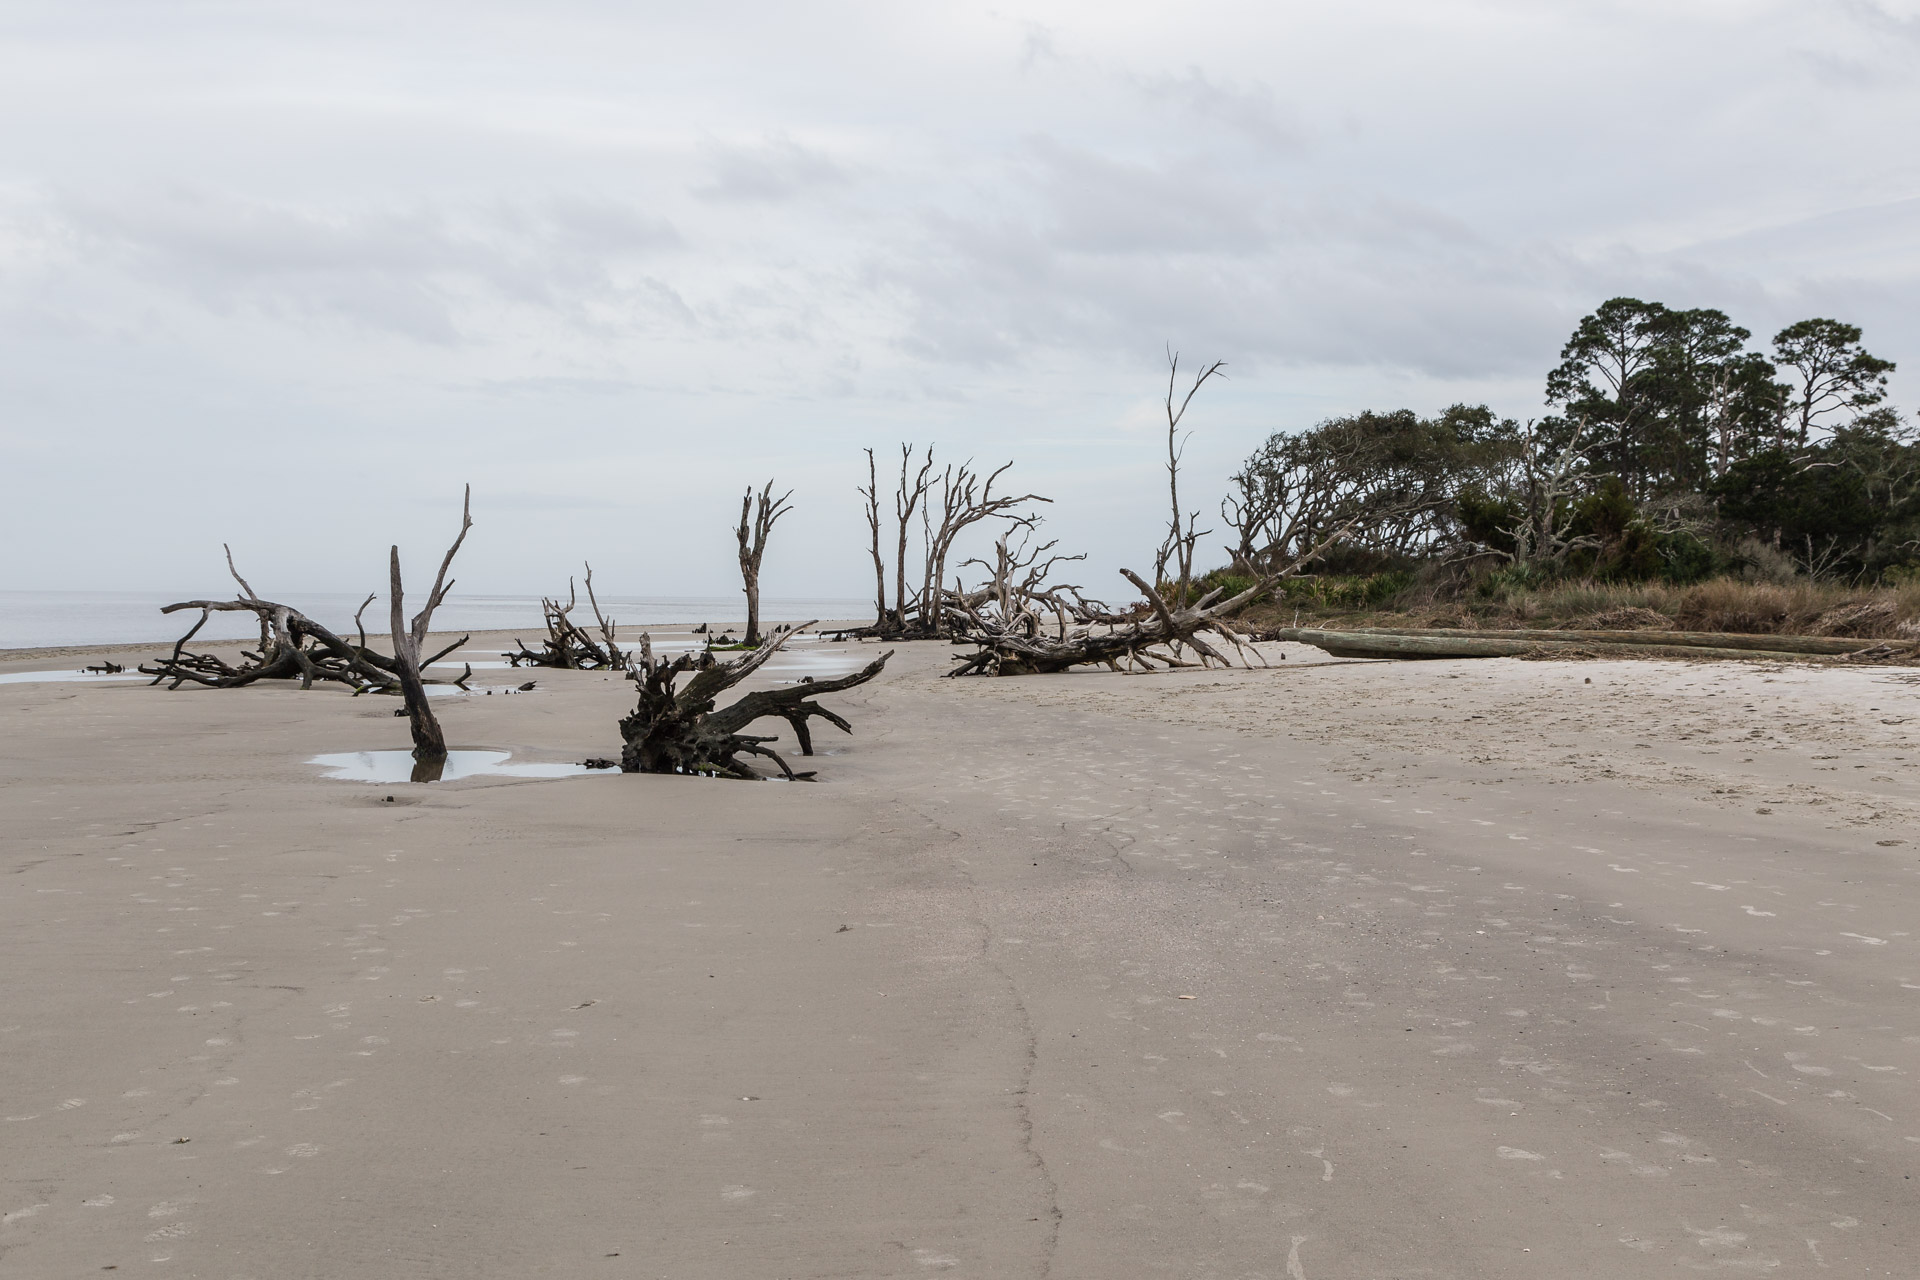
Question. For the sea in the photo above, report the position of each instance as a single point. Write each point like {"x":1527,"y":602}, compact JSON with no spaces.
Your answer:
{"x":43,"y":619}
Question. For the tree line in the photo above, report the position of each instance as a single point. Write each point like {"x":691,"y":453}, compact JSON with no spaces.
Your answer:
{"x":1674,"y":449}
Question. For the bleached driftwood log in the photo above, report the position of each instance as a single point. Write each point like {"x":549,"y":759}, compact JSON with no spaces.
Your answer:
{"x":1380,"y":642}
{"x":679,"y":730}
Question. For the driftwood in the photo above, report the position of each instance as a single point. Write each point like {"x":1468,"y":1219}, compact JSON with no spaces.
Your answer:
{"x":1829,"y":645}
{"x":569,"y":645}
{"x":1018,"y":647}
{"x":1384,"y":643}
{"x":678,"y":730}
{"x":292,"y":646}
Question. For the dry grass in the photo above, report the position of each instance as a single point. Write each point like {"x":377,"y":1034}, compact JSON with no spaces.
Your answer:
{"x":1722,"y":604}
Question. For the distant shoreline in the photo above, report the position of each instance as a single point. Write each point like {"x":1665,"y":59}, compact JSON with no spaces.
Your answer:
{"x":501,"y":636}
{"x":32,"y":622}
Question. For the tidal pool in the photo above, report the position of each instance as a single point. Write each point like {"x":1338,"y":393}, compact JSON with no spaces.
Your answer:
{"x":43,"y":677}
{"x":400,"y":766}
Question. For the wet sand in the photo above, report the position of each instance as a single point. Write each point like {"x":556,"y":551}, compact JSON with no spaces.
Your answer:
{"x":1339,"y":969}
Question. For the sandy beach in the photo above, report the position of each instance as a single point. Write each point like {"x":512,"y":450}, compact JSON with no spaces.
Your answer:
{"x":1333,"y":969}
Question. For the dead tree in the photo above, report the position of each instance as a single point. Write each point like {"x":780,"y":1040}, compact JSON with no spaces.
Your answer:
{"x":965,"y":500}
{"x":1017,"y":596}
{"x":429,"y":743}
{"x":1179,"y":546}
{"x":1551,"y":479}
{"x":949,"y":503}
{"x":1014,"y":649}
{"x":872,"y":494}
{"x":569,"y":645}
{"x":678,"y":730}
{"x":756,"y":522}
{"x":292,"y":646}
{"x":905,"y":499}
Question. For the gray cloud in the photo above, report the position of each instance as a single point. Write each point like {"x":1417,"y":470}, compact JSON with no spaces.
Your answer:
{"x":409,"y":272}
{"x":1253,"y":113}
{"x":775,"y":169}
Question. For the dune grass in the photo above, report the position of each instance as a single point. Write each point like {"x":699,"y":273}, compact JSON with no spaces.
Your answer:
{"x":1799,"y":607}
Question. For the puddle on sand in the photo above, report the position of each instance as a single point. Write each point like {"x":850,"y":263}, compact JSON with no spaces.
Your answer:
{"x":82,"y":677}
{"x":400,"y":766}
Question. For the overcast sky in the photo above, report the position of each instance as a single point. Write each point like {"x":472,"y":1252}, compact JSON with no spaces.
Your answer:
{"x":288,"y":274}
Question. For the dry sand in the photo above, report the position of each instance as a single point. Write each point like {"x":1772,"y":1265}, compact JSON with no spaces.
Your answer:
{"x":1339,"y":969}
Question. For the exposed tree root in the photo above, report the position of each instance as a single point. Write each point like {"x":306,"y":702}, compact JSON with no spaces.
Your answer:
{"x":679,"y":730}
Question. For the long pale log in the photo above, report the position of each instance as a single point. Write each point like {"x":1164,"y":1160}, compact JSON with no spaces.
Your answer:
{"x":1833,"y":645}
{"x":1447,"y":644}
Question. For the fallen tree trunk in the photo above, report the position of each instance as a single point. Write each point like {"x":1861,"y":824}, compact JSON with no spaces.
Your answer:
{"x":1022,"y":649}
{"x":1833,"y":645}
{"x":292,"y":646}
{"x":680,"y":731}
{"x":1379,"y":643}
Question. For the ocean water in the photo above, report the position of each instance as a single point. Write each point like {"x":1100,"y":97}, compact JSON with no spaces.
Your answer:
{"x":38,"y":619}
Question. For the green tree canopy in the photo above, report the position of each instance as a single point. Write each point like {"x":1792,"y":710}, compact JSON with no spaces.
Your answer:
{"x":1836,"y":375}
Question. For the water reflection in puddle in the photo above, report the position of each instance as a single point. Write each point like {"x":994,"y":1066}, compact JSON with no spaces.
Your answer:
{"x":83,"y":677}
{"x":400,"y":766}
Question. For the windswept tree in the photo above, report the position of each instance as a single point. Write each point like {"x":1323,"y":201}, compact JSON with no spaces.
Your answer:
{"x":757,"y":518}
{"x":1383,"y":482}
{"x":1833,"y":373}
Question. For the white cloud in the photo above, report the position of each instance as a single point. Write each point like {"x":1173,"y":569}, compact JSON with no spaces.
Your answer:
{"x":613,"y":263}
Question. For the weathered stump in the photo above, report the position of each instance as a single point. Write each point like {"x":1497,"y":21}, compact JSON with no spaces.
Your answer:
{"x":679,"y":730}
